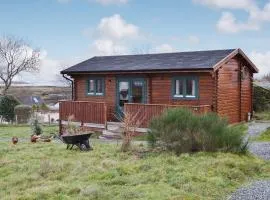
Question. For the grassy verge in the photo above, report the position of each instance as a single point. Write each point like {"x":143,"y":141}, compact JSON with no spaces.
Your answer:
{"x":262,"y":116}
{"x":48,"y":171}
{"x":265,"y":136}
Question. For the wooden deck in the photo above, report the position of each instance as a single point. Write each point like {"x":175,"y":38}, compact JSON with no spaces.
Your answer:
{"x":94,"y":114}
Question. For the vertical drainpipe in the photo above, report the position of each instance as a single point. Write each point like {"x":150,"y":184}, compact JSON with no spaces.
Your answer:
{"x":72,"y":97}
{"x":72,"y":86}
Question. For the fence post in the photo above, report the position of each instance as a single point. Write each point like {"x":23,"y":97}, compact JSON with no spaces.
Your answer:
{"x":105,"y":116}
{"x":49,"y":119}
{"x":60,"y":126}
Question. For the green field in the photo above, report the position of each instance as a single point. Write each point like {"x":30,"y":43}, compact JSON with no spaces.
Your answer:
{"x":49,"y":171}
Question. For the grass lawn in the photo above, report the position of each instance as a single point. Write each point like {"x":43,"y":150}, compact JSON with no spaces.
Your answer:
{"x":48,"y":171}
{"x":265,"y":136}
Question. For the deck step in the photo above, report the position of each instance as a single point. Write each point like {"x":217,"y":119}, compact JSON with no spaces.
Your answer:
{"x":107,"y":134}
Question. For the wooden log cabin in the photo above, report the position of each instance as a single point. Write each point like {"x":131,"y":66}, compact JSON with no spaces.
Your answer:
{"x":215,"y":80}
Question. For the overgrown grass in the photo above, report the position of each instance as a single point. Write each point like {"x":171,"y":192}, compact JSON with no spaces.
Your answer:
{"x":265,"y":136}
{"x":48,"y":171}
{"x":262,"y":115}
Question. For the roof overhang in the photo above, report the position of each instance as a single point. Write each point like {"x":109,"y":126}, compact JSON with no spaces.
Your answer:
{"x":140,"y":71}
{"x":233,"y":54}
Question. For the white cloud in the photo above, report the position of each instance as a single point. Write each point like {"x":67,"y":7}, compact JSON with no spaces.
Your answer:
{"x":108,"y":2}
{"x":49,"y":71}
{"x":192,"y":39}
{"x":103,"y":2}
{"x":116,"y":27}
{"x":113,"y":35}
{"x":229,"y":24}
{"x":108,"y":47}
{"x":261,"y":15}
{"x":262,"y":61}
{"x":228,"y":4}
{"x":163,"y":48}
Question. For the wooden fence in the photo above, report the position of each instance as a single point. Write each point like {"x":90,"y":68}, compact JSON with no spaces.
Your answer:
{"x":83,"y":111}
{"x":146,"y":112}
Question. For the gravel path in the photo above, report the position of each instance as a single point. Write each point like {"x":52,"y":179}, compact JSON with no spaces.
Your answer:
{"x":255,"y":128}
{"x":259,"y":190}
{"x":261,"y":149}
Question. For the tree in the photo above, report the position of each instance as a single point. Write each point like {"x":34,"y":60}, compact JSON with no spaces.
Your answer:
{"x":266,"y":77}
{"x":7,"y":105}
{"x":16,"y":57}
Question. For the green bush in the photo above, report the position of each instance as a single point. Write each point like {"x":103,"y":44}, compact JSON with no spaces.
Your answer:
{"x":23,"y":113}
{"x":7,"y":105}
{"x":261,"y":99}
{"x":36,"y":127}
{"x":181,"y":131}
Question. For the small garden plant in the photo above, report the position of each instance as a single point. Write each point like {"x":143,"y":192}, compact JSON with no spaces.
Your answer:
{"x":36,"y":127}
{"x":181,"y":131}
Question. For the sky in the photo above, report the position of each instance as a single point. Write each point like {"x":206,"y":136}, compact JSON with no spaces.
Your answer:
{"x":69,"y":31}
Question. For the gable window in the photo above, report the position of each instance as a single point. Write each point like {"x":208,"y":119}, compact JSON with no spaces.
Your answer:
{"x":185,"y":87}
{"x":95,"y":86}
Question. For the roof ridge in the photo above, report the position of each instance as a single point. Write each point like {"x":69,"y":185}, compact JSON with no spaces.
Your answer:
{"x":176,"y":52}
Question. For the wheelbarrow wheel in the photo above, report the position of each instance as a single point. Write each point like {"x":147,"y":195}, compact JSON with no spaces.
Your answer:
{"x":83,"y":147}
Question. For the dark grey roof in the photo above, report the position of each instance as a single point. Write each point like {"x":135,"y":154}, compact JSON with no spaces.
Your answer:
{"x":148,"y":62}
{"x":30,"y":100}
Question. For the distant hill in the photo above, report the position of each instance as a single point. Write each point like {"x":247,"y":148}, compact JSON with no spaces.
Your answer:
{"x":50,"y":94}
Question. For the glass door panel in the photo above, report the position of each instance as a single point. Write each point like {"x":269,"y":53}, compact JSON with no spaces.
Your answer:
{"x":137,"y":91}
{"x":123,"y":93}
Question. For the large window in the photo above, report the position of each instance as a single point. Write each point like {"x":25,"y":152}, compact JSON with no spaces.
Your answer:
{"x":95,"y":87}
{"x":185,"y":87}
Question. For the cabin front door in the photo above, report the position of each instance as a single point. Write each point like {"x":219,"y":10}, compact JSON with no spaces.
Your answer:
{"x":129,"y":90}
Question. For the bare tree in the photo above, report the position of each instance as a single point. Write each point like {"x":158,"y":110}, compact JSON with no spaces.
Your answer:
{"x":59,"y":77}
{"x":16,"y":57}
{"x":266,"y":77}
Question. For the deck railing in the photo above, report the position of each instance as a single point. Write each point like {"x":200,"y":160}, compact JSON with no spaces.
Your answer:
{"x":83,"y":111}
{"x":146,"y":112}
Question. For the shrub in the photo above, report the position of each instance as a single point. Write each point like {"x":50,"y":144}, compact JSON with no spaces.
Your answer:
{"x":180,"y":130}
{"x":43,"y":107}
{"x":23,"y":113}
{"x":7,"y":105}
{"x":36,"y":127}
{"x":261,"y":101}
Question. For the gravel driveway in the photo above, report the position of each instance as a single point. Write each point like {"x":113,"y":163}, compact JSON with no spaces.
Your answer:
{"x":259,"y":190}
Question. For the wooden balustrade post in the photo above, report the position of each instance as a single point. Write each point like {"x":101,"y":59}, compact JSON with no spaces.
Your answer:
{"x":60,"y":127}
{"x":105,"y":116}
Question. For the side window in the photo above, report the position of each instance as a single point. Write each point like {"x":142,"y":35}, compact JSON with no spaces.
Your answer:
{"x":179,"y":88}
{"x":95,"y":87}
{"x":190,"y":88}
{"x":91,"y":86}
{"x":185,"y":87}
